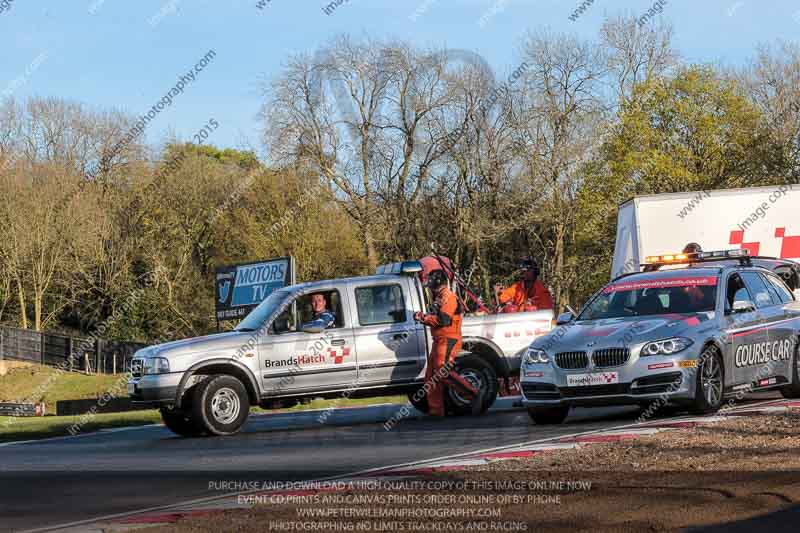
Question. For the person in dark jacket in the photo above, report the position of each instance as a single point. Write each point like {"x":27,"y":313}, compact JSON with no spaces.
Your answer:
{"x":323,"y":318}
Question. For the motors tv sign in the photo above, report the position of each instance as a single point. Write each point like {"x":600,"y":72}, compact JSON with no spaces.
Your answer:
{"x":240,"y":288}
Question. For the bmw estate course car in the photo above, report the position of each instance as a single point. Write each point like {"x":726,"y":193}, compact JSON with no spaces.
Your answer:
{"x":719,"y":326}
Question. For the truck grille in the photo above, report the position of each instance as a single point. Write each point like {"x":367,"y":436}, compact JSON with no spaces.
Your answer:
{"x":572,"y":360}
{"x":136,"y":367}
{"x":609,"y":357}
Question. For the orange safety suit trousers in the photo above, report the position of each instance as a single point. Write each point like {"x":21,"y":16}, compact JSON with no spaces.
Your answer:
{"x":440,"y":361}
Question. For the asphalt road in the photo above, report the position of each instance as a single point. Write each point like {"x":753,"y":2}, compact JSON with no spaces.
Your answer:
{"x":54,"y":482}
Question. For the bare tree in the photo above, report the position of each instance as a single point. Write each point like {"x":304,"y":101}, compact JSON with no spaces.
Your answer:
{"x":636,"y":53}
{"x":41,"y":234}
{"x":772,"y":81}
{"x":558,"y":116}
{"x":365,"y":116}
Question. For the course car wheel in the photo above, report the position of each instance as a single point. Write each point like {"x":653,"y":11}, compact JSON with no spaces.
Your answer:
{"x":793,"y":389}
{"x":480,"y":375}
{"x":180,"y":422}
{"x":220,"y":405}
{"x":546,"y":416}
{"x":710,"y":383}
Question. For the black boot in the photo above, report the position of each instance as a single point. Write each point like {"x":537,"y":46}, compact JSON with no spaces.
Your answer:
{"x":477,"y":403}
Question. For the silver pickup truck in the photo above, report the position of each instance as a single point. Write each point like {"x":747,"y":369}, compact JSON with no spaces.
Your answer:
{"x":206,"y":385}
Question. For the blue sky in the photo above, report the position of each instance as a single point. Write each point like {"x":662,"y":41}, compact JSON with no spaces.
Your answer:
{"x":123,"y":54}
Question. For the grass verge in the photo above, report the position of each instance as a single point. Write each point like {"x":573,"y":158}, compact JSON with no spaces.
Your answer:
{"x":28,"y":428}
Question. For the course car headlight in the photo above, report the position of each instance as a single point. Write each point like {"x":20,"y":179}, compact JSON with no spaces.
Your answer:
{"x":156,"y":365}
{"x":535,"y":356}
{"x":666,"y":346}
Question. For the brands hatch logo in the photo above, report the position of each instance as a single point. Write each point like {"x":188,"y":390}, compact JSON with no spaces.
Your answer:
{"x":335,"y":355}
{"x":338,"y":354}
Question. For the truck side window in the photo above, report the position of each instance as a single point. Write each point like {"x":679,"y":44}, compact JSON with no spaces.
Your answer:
{"x":759,"y":289}
{"x":301,"y":312}
{"x":380,"y":304}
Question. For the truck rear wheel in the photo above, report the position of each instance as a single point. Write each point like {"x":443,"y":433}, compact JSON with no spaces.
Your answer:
{"x":180,"y":422}
{"x":419,"y":400}
{"x":220,"y":405}
{"x":793,"y":389}
{"x":482,"y":376}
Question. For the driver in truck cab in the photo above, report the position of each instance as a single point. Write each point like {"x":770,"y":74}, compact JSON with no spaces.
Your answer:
{"x":528,"y":293}
{"x":323,"y":318}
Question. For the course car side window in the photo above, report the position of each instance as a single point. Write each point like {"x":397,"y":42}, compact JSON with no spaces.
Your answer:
{"x":736,"y":292}
{"x":759,"y":289}
{"x":380,"y":304}
{"x":780,"y":291}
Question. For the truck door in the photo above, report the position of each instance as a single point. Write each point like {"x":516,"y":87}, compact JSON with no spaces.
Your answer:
{"x":389,"y":343}
{"x":295,"y":361}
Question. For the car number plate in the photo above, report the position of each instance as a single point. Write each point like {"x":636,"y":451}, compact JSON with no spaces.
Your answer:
{"x":587,"y":380}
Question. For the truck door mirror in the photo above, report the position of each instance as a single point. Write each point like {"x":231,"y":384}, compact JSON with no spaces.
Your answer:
{"x":743,"y":306}
{"x":312,"y":329}
{"x":280,"y":325}
{"x":564,"y":318}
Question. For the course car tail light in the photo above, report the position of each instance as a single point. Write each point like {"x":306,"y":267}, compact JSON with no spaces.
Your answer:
{"x":666,"y":346}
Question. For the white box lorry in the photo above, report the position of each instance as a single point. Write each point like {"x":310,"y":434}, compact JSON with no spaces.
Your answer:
{"x":763,"y":220}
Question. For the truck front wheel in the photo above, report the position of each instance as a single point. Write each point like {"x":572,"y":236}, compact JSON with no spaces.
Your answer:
{"x":220,"y":405}
{"x":482,"y":376}
{"x":180,"y":422}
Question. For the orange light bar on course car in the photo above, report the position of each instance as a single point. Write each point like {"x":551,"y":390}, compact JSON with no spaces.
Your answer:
{"x":669,"y":258}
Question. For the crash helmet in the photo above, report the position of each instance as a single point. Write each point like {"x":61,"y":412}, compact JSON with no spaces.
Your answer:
{"x":530,"y":267}
{"x":436,"y":278}
{"x":692,"y":248}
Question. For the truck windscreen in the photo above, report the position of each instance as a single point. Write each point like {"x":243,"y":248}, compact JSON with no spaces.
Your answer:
{"x":265,"y":309}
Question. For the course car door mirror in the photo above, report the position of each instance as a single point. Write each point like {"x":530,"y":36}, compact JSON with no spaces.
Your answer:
{"x":564,"y":318}
{"x":743,"y":306}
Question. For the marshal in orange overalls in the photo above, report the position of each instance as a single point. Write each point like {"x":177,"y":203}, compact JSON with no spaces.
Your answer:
{"x":445,"y":323}
{"x":527,"y":290}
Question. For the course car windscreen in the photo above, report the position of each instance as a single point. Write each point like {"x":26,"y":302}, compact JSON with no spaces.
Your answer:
{"x":647,"y":296}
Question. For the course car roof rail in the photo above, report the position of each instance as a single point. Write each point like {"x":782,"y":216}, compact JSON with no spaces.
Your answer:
{"x":654,"y":262}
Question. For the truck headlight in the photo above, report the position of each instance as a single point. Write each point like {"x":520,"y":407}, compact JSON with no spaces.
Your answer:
{"x":535,"y":356}
{"x":666,"y":346}
{"x":156,"y":365}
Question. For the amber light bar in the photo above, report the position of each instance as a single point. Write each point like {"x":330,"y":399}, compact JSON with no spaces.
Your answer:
{"x":695,"y":257}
